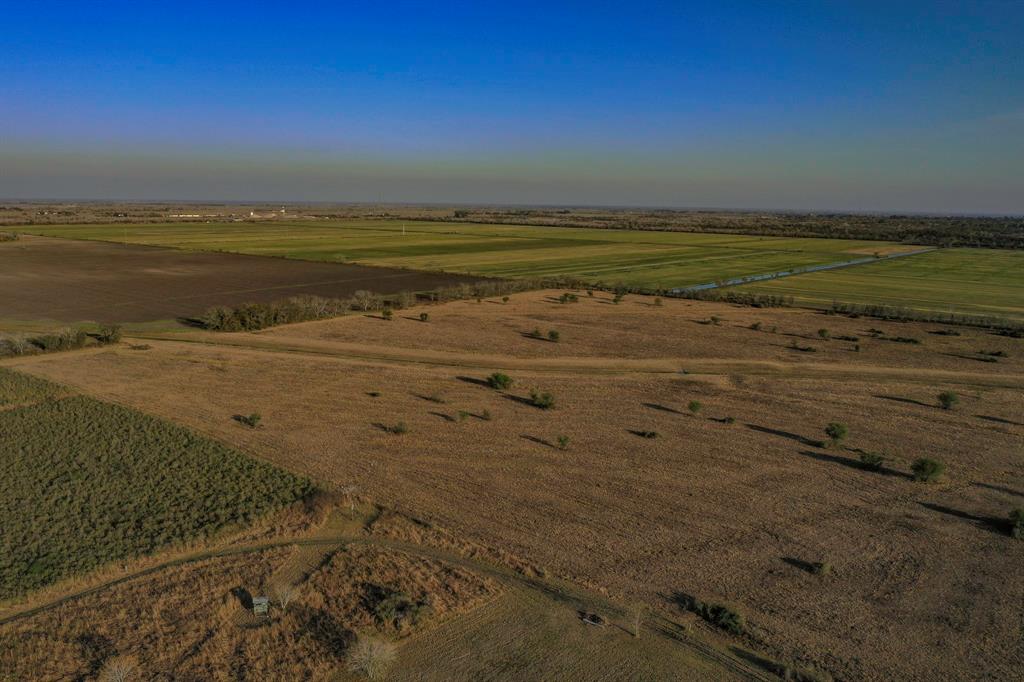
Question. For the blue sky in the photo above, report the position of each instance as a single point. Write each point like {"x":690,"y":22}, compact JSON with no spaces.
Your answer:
{"x":909,"y":106}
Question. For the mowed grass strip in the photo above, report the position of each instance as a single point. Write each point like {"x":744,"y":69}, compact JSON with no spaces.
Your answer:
{"x":967,"y":281}
{"x":83,"y":483}
{"x":638,"y":258}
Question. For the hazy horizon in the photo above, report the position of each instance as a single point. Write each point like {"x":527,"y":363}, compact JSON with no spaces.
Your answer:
{"x":857,"y":107}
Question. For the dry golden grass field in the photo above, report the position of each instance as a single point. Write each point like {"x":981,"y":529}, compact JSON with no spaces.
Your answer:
{"x":648,"y":501}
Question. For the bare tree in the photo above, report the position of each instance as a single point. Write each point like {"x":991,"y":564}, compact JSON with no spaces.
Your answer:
{"x":371,"y":657}
{"x":350,"y":492}
{"x":637,"y":613}
{"x":121,"y":669}
{"x":284,"y":593}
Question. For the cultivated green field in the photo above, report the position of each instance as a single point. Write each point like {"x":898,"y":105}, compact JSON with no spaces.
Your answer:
{"x":964,"y":281}
{"x":647,"y":259}
{"x":83,"y":482}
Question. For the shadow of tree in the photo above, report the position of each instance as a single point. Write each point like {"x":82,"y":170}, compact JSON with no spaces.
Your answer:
{"x":474,"y":381}
{"x":897,"y":399}
{"x":991,"y":523}
{"x":662,"y":408}
{"x":852,"y":464}
{"x":786,"y":434}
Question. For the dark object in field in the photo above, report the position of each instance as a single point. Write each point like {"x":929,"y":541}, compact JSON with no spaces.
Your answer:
{"x":593,"y":619}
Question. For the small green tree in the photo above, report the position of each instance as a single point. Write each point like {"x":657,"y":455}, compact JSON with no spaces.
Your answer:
{"x":544,"y":401}
{"x":695,"y":407}
{"x":424,"y":317}
{"x":499,"y":381}
{"x":824,"y":333}
{"x":927,"y":470}
{"x":563,"y":442}
{"x":657,"y":301}
{"x":504,"y":299}
{"x":836,"y":433}
{"x":387,"y":313}
{"x":948,"y":400}
{"x":872,"y":461}
{"x":554,"y":336}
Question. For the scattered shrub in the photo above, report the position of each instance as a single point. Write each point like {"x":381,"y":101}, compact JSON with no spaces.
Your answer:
{"x":836,"y":432}
{"x":846,"y":337}
{"x":553,"y":336}
{"x":647,"y":434}
{"x":948,"y":400}
{"x":563,"y":442}
{"x":397,"y":429}
{"x":8,"y":236}
{"x":994,"y":353}
{"x":504,"y":299}
{"x":424,"y":317}
{"x":821,"y":568}
{"x":756,"y":326}
{"x":250,"y":420}
{"x":387,"y":314}
{"x":544,"y":401}
{"x":568,"y":298}
{"x":715,"y":320}
{"x":486,"y":415}
{"x":872,"y":461}
{"x":729,"y":420}
{"x":824,"y":333}
{"x":499,"y":381}
{"x":694,"y":407}
{"x":657,"y":301}
{"x":928,"y":470}
{"x":719,"y":615}
{"x":1017,"y":523}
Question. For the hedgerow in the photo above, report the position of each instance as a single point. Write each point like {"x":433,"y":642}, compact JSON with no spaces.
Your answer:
{"x":255,"y":316}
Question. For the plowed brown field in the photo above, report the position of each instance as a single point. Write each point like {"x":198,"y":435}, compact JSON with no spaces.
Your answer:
{"x":65,"y":280}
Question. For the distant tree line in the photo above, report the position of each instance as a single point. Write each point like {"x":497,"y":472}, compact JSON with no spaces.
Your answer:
{"x":255,"y":316}
{"x":944,"y":231}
